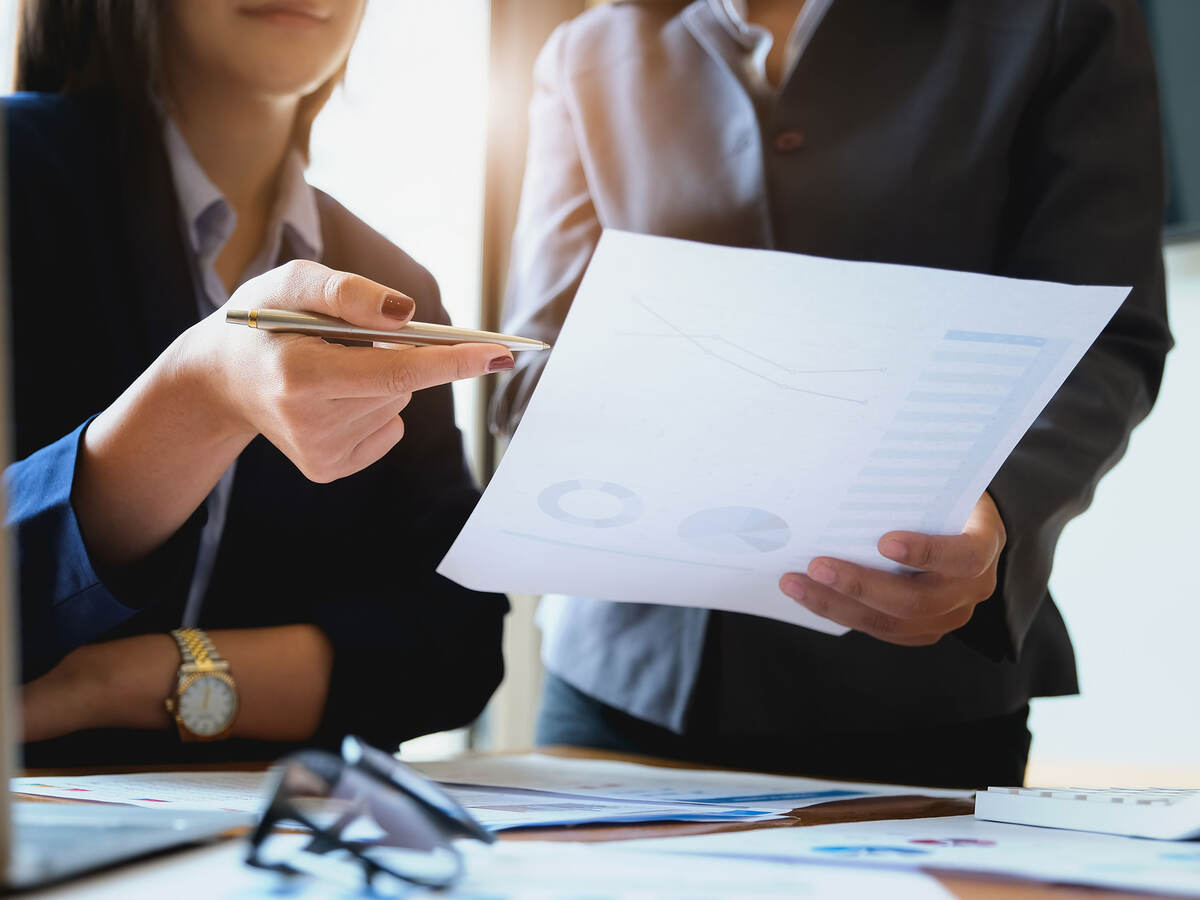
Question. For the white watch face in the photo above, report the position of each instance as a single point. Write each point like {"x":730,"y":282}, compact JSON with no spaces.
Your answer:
{"x":207,"y":706}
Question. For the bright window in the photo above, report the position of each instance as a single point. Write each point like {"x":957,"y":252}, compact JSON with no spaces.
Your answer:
{"x":402,"y":145}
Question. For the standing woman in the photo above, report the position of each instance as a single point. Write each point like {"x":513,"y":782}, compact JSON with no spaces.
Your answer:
{"x":1017,"y":138}
{"x":176,"y":473}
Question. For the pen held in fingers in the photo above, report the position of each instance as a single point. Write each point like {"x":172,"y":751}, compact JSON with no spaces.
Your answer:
{"x":417,"y":333}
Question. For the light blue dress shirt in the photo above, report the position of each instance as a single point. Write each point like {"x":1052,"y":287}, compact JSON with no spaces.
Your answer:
{"x":208,"y":220}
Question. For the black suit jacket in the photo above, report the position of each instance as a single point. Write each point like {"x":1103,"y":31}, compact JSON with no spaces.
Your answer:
{"x":1016,"y":138}
{"x":101,"y":284}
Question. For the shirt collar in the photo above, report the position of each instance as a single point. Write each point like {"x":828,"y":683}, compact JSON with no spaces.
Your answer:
{"x":296,"y":208}
{"x":210,"y":219}
{"x":206,"y":214}
{"x":757,"y":41}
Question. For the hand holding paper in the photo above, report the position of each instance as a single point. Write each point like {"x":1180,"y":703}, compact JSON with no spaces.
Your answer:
{"x":768,"y":410}
{"x":955,"y":574}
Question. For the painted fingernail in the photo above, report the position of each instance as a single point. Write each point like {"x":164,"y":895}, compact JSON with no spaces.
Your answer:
{"x":893,"y":549}
{"x":398,"y":306}
{"x":794,"y":588}
{"x":500,"y":364}
{"x":823,"y":573}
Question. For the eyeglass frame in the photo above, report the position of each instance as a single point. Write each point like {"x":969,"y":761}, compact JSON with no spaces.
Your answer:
{"x":446,"y":817}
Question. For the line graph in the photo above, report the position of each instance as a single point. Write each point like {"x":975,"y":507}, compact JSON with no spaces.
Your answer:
{"x":696,"y":341}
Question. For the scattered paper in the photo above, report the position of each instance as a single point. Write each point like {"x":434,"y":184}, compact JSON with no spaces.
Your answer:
{"x":533,"y":870}
{"x":496,"y":807}
{"x":714,"y":417}
{"x":499,"y":809}
{"x":555,"y":870}
{"x":964,"y":844}
{"x":228,"y":791}
{"x":631,"y":781}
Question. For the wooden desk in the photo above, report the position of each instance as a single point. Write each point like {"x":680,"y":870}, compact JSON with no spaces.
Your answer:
{"x":964,"y":887}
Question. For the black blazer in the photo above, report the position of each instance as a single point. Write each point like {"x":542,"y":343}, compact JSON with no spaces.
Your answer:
{"x":1016,"y":138}
{"x":101,"y":284}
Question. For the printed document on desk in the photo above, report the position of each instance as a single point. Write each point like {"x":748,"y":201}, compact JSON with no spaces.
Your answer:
{"x":963,"y":844}
{"x":609,"y":780}
{"x":713,"y":417}
{"x":229,"y":791}
{"x":497,"y":809}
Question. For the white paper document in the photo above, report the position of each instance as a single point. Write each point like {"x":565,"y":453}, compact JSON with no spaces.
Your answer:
{"x":525,"y":870}
{"x":497,"y":808}
{"x":229,"y":791}
{"x":601,"y":779}
{"x":964,"y":844}
{"x":714,"y":417}
{"x":556,"y":870}
{"x":502,"y":809}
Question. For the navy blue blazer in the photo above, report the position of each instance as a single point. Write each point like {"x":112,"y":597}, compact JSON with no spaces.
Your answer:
{"x":96,"y":243}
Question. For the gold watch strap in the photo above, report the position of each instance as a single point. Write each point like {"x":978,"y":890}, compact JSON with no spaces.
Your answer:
{"x":197,"y":650}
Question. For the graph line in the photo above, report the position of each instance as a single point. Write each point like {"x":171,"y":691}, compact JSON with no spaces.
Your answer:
{"x":716,"y":337}
{"x":578,"y":546}
{"x":779,"y":384}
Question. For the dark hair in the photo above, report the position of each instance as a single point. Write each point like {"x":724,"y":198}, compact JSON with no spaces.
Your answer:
{"x":68,"y":46}
{"x":112,"y":46}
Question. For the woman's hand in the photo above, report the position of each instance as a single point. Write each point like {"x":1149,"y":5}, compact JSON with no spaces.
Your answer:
{"x":149,"y":460}
{"x":331,"y":409}
{"x":957,"y":573}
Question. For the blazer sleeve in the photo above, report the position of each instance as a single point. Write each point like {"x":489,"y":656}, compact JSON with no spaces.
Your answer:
{"x":557,"y":232}
{"x":67,"y":600}
{"x":1086,"y":207}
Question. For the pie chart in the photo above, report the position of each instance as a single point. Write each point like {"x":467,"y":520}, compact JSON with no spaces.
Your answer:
{"x":590,"y":503}
{"x":735,"y":530}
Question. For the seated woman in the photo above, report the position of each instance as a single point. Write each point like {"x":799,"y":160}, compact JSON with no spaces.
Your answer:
{"x":1017,"y":139}
{"x":176,"y":473}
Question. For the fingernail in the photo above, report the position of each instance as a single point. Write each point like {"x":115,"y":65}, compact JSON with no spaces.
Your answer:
{"x":398,"y":306}
{"x":500,"y":363}
{"x":823,"y":573}
{"x":893,"y":549}
{"x":794,"y":588}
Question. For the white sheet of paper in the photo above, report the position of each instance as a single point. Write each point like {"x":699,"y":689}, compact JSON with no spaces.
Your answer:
{"x":966,"y":844}
{"x":557,"y":870}
{"x":631,"y":781}
{"x":229,"y":791}
{"x":713,"y":417}
{"x":526,"y":870}
{"x":496,"y":809}
{"x":500,"y":809}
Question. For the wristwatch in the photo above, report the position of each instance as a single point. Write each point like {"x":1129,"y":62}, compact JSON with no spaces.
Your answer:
{"x":204,"y":703}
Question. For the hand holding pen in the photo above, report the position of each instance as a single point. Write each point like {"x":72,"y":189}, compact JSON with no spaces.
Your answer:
{"x":333,"y":409}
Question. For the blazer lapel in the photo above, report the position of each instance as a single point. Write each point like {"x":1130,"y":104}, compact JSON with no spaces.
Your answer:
{"x":162,"y":287}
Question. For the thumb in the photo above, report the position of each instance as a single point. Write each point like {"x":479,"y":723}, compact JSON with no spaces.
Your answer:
{"x":307,"y":286}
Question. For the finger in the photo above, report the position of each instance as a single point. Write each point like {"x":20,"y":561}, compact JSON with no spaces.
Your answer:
{"x":375,"y":445}
{"x":965,"y":555}
{"x":377,"y":372}
{"x":920,"y":596}
{"x":829,"y":604}
{"x":312,"y":287}
{"x":373,"y":414}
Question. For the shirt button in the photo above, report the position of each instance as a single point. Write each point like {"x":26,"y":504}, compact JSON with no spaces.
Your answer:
{"x":789,"y":141}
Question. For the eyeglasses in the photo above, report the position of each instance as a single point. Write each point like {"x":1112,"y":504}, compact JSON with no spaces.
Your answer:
{"x":364,"y":817}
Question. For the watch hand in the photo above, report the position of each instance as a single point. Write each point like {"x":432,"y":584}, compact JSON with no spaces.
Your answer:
{"x":207,"y":691}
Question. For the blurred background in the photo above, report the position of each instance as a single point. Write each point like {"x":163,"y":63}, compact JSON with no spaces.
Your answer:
{"x":1124,"y":575}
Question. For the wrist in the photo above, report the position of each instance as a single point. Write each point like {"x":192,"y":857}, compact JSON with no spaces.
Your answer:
{"x":194,"y":372}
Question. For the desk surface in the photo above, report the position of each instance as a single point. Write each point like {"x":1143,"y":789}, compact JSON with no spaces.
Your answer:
{"x":119,"y":881}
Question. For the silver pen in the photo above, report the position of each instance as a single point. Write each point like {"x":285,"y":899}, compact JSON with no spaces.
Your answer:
{"x":423,"y":333}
